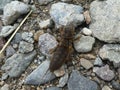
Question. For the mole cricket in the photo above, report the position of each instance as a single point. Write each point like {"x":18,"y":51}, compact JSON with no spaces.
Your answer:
{"x":64,"y":49}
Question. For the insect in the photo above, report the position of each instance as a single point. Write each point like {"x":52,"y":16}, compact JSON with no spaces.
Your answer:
{"x":64,"y":49}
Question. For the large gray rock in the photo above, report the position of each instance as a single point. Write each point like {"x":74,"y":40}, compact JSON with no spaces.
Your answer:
{"x":13,"y":10}
{"x":41,"y":75}
{"x":111,"y":52}
{"x":16,"y":64}
{"x":3,"y":3}
{"x":84,"y":44}
{"x":47,"y":43}
{"x":105,"y":23}
{"x":64,"y":14}
{"x":79,"y":82}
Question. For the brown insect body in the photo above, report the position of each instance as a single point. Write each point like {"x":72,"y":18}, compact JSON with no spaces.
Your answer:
{"x":64,"y":49}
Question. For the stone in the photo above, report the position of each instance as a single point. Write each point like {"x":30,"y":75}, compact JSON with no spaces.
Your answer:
{"x":6,"y":31}
{"x":111,"y":52}
{"x":37,"y":35}
{"x":63,"y":80}
{"x":104,"y":73}
{"x":87,"y":16}
{"x":16,"y":64}
{"x":86,"y":63}
{"x":44,"y":2}
{"x":5,"y":87}
{"x":27,"y":36}
{"x":84,"y":44}
{"x":40,"y":75}
{"x":98,"y":62}
{"x":2,"y":42}
{"x":60,"y":72}
{"x":64,"y":14}
{"x":13,"y":10}
{"x":116,"y":85}
{"x":86,"y":31}
{"x":106,"y":88}
{"x":53,"y":88}
{"x":17,"y":38}
{"x":79,"y":82}
{"x":10,"y":51}
{"x":47,"y":43}
{"x":3,"y":3}
{"x":25,"y":47}
{"x":45,"y":24}
{"x":105,"y":20}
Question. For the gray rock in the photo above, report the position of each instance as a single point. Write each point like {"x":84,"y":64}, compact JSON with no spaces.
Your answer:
{"x":10,"y":51}
{"x":41,"y":75}
{"x":13,"y":10}
{"x":111,"y":52}
{"x":27,"y":36}
{"x":84,"y":44}
{"x":17,"y":38}
{"x":104,"y":73}
{"x":63,"y":80}
{"x":6,"y":30}
{"x":44,"y":2}
{"x":79,"y":82}
{"x":105,"y":23}
{"x":98,"y":62}
{"x":53,"y":88}
{"x":45,"y":24}
{"x":5,"y":87}
{"x":86,"y":63}
{"x":116,"y":85}
{"x":46,"y":43}
{"x":65,"y":14}
{"x":3,"y":3}
{"x":25,"y":47}
{"x":16,"y":64}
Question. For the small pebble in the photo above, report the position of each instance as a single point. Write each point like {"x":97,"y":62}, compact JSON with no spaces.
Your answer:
{"x":45,"y":24}
{"x":87,"y":17}
{"x":25,"y":47}
{"x":86,"y":31}
{"x":60,"y":72}
{"x":98,"y":62}
{"x":106,"y":88}
{"x":86,"y":63}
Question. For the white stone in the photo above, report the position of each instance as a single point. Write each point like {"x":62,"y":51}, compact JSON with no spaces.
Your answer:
{"x":86,"y":31}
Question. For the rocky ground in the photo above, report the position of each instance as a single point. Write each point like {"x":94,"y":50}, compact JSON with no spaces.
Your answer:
{"x":25,"y":62}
